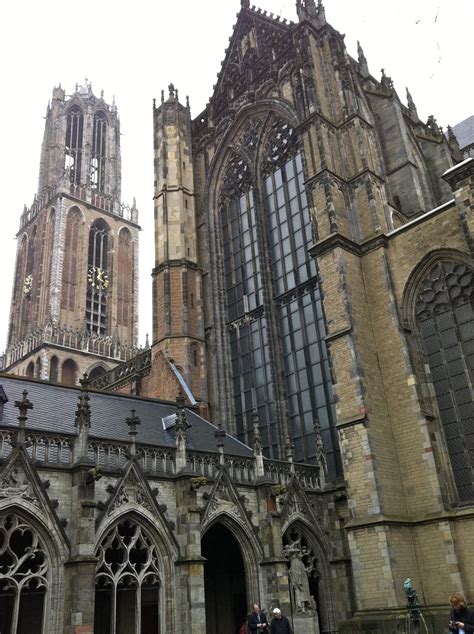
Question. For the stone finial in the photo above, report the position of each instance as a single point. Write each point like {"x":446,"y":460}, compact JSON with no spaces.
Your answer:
{"x":245,"y":4}
{"x":187,"y":102}
{"x":321,"y":12}
{"x":363,"y":66}
{"x":290,"y":453}
{"x":171,"y":91}
{"x":23,"y":406}
{"x":452,"y":139}
{"x":181,"y":429}
{"x":220,"y":440}
{"x":257,"y":446}
{"x":162,"y":96}
{"x":320,"y":452}
{"x":432,"y":125}
{"x":83,"y":420}
{"x":412,"y":108}
{"x":386,"y":81}
{"x":147,"y":341}
{"x":289,"y":450}
{"x":307,"y":9}
{"x":133,"y":421}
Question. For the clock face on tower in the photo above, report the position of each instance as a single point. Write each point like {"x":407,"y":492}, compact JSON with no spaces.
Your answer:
{"x":97,"y":278}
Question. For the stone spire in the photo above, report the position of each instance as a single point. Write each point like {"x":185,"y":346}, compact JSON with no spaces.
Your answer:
{"x":452,"y":139}
{"x":363,"y":66}
{"x":181,"y":429}
{"x":320,"y":452}
{"x":23,"y":406}
{"x":306,"y":9}
{"x":132,"y":422}
{"x":412,"y":107}
{"x":83,"y":421}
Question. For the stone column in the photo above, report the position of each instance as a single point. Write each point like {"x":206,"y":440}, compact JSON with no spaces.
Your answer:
{"x":190,"y":599}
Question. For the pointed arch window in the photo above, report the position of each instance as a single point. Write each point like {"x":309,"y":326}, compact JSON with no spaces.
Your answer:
{"x":125,"y":279}
{"x":98,"y":280}
{"x":444,"y":315}
{"x":24,"y":577}
{"x":127,"y":582}
{"x":70,"y":266}
{"x":98,"y":157}
{"x":297,"y":300}
{"x":250,"y":356}
{"x":73,"y":146}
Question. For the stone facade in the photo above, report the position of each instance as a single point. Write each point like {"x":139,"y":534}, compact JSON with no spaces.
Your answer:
{"x":313,"y":289}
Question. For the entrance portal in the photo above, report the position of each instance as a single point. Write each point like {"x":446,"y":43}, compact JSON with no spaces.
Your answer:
{"x":224,"y":581}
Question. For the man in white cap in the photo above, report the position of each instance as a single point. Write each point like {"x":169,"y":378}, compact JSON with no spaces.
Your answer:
{"x":279,"y":624}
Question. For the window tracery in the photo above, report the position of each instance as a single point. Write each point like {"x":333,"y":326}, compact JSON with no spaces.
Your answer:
{"x":270,"y":277}
{"x":444,"y":315}
{"x":98,"y":157}
{"x":73,"y":145}
{"x":98,"y":281}
{"x":24,"y":574}
{"x":127,"y":581}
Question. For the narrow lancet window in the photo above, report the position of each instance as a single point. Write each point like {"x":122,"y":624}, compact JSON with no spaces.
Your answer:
{"x":98,"y":158}
{"x":73,"y":148}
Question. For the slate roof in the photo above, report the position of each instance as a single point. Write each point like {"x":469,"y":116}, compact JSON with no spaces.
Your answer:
{"x":54,"y":409}
{"x":464,"y":132}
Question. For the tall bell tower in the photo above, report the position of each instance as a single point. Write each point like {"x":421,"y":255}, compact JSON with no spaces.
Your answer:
{"x":75,"y":293}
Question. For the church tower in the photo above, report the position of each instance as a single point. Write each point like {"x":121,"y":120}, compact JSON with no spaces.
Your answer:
{"x":75,"y":294}
{"x":178,"y":331}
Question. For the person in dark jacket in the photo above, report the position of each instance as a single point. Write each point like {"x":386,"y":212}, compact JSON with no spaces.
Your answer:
{"x":279,"y":624}
{"x":461,"y":619}
{"x":257,"y":620}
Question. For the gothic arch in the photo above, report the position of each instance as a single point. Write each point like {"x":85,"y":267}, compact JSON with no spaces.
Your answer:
{"x":320,"y":548}
{"x":250,"y":548}
{"x":419,"y":273}
{"x":166,"y":555}
{"x":263,"y":108}
{"x":96,"y":370}
{"x":24,"y":517}
{"x":69,"y":372}
{"x":30,"y":370}
{"x":53,"y":369}
{"x":438,"y":312}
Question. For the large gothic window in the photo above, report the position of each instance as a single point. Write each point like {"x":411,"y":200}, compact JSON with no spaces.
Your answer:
{"x":73,"y":146}
{"x":125,"y":279}
{"x":251,"y":368}
{"x":271,"y":282}
{"x":445,"y":316}
{"x":98,"y":157}
{"x":97,"y":278}
{"x":24,"y":577}
{"x":70,"y":268}
{"x":127,"y":582}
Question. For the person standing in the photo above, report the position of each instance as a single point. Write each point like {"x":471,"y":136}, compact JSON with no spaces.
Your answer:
{"x":279,"y":624}
{"x":462,"y":619}
{"x":257,"y":620}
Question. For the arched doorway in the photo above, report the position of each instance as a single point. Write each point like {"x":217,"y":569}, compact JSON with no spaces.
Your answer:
{"x":224,"y":581}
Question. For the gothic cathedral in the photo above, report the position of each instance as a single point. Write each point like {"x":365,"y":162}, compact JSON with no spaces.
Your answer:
{"x":299,"y":432}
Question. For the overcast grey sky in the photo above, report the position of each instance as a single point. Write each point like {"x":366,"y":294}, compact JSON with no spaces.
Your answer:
{"x":133,"y":50}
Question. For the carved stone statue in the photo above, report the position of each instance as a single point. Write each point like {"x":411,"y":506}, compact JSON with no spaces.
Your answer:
{"x":303,"y":601}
